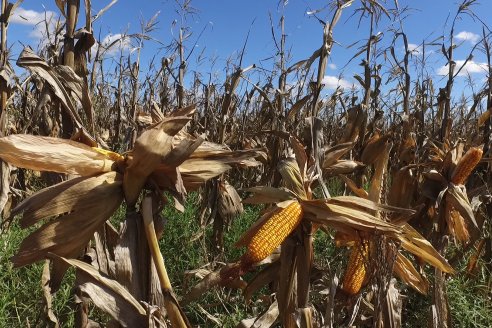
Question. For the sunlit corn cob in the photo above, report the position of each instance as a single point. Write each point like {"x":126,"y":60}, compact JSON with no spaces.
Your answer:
{"x":466,"y":165}
{"x":272,"y":234}
{"x":356,"y":268}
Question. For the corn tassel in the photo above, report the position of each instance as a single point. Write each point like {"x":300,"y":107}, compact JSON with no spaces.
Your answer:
{"x":272,"y":234}
{"x":356,"y":268}
{"x":466,"y":165}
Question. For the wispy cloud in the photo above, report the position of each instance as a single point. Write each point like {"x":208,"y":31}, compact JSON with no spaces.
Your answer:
{"x":35,"y":19}
{"x":471,"y":67}
{"x":333,"y":82}
{"x":113,"y":43}
{"x":332,"y":66}
{"x":467,"y":36}
{"x":29,"y":17}
{"x":415,"y":48}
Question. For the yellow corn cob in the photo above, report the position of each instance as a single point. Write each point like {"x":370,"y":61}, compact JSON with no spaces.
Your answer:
{"x":272,"y":234}
{"x":466,"y":165}
{"x":356,"y":268}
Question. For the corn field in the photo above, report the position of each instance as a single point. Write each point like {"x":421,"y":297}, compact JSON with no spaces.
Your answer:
{"x":392,"y":174}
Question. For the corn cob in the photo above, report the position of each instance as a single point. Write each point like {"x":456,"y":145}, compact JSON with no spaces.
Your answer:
{"x":466,"y":165}
{"x":356,"y":268}
{"x":272,"y":234}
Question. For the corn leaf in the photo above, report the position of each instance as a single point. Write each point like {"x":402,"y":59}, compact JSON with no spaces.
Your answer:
{"x":53,"y":154}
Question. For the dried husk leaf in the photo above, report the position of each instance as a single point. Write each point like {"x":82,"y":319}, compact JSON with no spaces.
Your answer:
{"x":108,"y":295}
{"x":268,"y":195}
{"x":132,"y":257}
{"x":343,"y":167}
{"x":456,"y":196}
{"x":229,"y":205}
{"x":360,"y":192}
{"x":333,"y":154}
{"x":402,"y":188}
{"x":291,"y":177}
{"x":47,"y":297}
{"x":149,"y":150}
{"x":456,"y":224}
{"x":266,"y":320}
{"x":195,"y":172}
{"x":78,"y":194}
{"x":68,"y":234}
{"x":263,"y":278}
{"x":345,"y":218}
{"x":406,"y":271}
{"x":415,"y":243}
{"x":53,"y":154}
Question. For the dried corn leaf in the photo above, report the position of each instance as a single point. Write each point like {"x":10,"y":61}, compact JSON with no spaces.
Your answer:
{"x":68,"y":234}
{"x":78,"y":194}
{"x":181,"y":152}
{"x":456,"y":196}
{"x":28,"y":59}
{"x":291,"y":177}
{"x":132,"y":257}
{"x":47,"y":297}
{"x":341,"y":216}
{"x":343,"y":167}
{"x":415,"y":243}
{"x":150,"y":148}
{"x":53,"y":154}
{"x":266,"y":320}
{"x":108,"y":295}
{"x":360,"y":192}
{"x":263,"y":278}
{"x":406,"y":271}
{"x":402,"y":188}
{"x":195,"y":172}
{"x":333,"y":154}
{"x":268,"y":195}
{"x":366,"y":204}
{"x":229,"y":205}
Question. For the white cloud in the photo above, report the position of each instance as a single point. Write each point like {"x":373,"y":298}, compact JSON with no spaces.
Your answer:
{"x":332,"y":66}
{"x":332,"y":82}
{"x":467,"y":36}
{"x":113,"y":43}
{"x":470,"y":68}
{"x":29,"y":17}
{"x":415,"y":48}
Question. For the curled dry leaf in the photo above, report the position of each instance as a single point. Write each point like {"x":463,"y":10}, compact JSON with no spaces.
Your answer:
{"x":415,"y":243}
{"x":75,"y":195}
{"x":68,"y":234}
{"x":150,"y":148}
{"x":230,"y":204}
{"x":108,"y":295}
{"x":343,"y":167}
{"x":265,"y":320}
{"x":268,"y":195}
{"x":406,"y":271}
{"x":53,"y":154}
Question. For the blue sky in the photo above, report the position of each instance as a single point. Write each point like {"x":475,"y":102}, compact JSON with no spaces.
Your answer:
{"x":225,"y":24}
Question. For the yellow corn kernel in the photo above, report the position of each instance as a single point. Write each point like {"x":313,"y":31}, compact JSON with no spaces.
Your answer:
{"x":356,"y":268}
{"x":466,"y":165}
{"x":272,"y":233}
